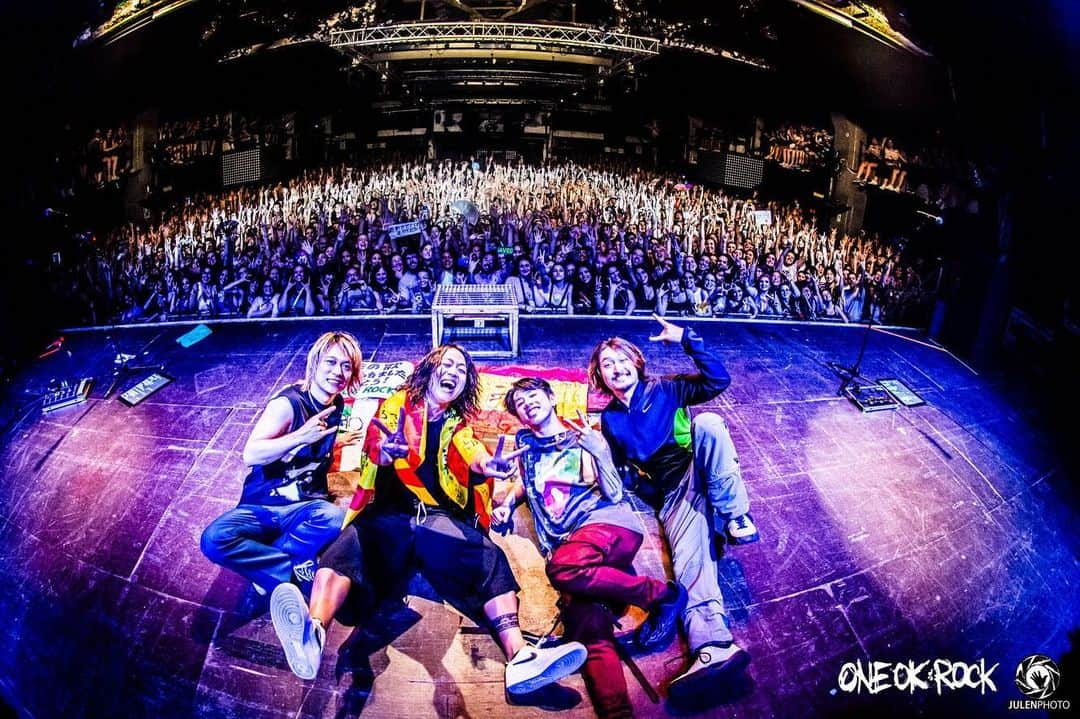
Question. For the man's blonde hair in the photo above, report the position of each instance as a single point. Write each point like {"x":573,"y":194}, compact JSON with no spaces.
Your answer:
{"x":348,"y":344}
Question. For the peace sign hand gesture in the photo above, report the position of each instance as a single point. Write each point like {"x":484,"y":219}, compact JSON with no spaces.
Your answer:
{"x":668,"y":333}
{"x":502,"y":466}
{"x":394,"y":445}
{"x":588,"y":438}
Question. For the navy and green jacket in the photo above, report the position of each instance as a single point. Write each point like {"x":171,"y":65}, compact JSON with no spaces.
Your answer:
{"x":652,"y":435}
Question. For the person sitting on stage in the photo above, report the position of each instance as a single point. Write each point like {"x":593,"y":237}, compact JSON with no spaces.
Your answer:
{"x":583,"y":525}
{"x":285,"y":516}
{"x":679,"y":466}
{"x":433,"y":481}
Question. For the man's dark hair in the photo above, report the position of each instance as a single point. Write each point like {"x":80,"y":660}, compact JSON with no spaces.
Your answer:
{"x":467,"y":403}
{"x":525,"y":384}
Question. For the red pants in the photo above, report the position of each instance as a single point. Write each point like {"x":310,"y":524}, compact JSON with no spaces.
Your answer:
{"x":593,"y":570}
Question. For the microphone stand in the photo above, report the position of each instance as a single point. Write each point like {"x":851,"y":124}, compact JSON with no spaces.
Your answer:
{"x":851,"y":374}
{"x":122,"y":370}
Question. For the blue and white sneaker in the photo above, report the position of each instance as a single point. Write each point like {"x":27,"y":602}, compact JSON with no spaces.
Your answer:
{"x":301,"y":637}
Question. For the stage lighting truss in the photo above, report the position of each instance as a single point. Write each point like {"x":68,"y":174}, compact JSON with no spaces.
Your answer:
{"x":487,"y":77}
{"x":437,"y":101}
{"x":732,"y":55}
{"x":503,"y":40}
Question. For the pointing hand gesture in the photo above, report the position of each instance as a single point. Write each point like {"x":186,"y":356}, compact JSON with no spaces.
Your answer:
{"x":668,"y":332}
{"x":394,"y":444}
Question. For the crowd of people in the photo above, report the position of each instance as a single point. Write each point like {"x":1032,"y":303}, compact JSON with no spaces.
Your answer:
{"x":799,"y":146}
{"x":103,"y":157}
{"x":566,"y":238}
{"x":934,"y":174}
{"x":181,"y":142}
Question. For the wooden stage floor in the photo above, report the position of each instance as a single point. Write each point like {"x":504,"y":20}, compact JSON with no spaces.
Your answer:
{"x":946,"y":530}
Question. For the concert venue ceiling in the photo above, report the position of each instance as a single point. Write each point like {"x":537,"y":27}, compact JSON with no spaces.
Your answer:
{"x":428,"y":52}
{"x":897,"y":62}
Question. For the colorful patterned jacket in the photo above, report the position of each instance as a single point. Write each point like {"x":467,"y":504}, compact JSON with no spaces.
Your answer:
{"x":458,"y":448}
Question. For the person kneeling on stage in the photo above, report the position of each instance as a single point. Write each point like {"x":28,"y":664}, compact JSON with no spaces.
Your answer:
{"x":583,"y":526}
{"x":433,"y":483}
{"x":679,"y":467}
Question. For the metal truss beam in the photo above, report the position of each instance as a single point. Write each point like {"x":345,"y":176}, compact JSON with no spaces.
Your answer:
{"x":525,"y":5}
{"x":489,"y":75}
{"x":566,"y":39}
{"x":438,"y":53}
{"x":129,"y":17}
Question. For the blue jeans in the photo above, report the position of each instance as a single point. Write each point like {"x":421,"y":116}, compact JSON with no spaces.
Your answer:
{"x":262,"y":543}
{"x":711,"y":492}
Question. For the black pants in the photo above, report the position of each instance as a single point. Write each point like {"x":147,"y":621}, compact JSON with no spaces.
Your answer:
{"x":380,"y":551}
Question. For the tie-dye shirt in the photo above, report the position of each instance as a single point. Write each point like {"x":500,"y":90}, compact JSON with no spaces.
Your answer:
{"x":561,"y":487}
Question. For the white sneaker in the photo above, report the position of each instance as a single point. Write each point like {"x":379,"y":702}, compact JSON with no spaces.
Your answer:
{"x":713,"y":664}
{"x":741,"y":530}
{"x":300,"y":636}
{"x":532,"y":668}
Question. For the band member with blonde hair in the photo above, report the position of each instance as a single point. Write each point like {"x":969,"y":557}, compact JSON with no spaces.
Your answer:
{"x":285,"y":516}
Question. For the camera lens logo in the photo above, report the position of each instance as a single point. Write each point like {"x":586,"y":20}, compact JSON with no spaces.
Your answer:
{"x":1038,"y":677}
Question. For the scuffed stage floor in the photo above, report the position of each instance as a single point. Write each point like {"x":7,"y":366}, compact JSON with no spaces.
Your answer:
{"x":940,"y":531}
